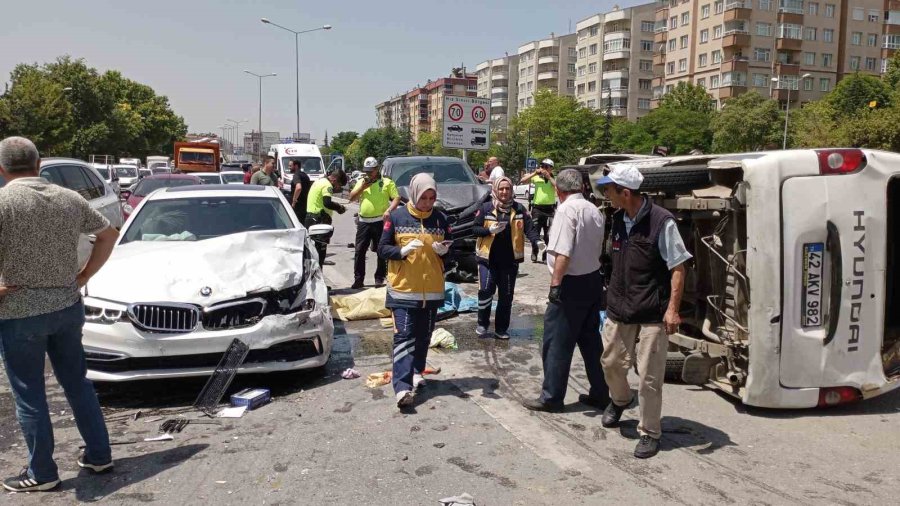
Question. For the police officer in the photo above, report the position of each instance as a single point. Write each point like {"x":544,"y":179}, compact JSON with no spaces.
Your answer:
{"x":643,"y":301}
{"x":501,"y":226}
{"x":320,"y":207}
{"x":377,"y":196}
{"x":543,"y":204}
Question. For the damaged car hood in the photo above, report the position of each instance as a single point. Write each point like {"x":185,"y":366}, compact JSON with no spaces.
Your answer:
{"x":454,"y":197}
{"x":202,"y":272}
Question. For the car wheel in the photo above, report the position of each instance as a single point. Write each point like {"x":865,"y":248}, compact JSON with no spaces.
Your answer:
{"x":673,"y":179}
{"x":674,"y":366}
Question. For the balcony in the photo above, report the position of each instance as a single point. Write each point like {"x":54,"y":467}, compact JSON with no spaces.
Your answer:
{"x":499,"y":77}
{"x":620,"y":54}
{"x":615,"y":92}
{"x":618,"y":15}
{"x":735,"y":38}
{"x":781,"y":94}
{"x":501,"y":89}
{"x":544,"y":76}
{"x":787,"y":69}
{"x":617,"y":33}
{"x":735,"y":65}
{"x":615,"y":74}
{"x":790,"y":17}
{"x":732,"y":91}
{"x":499,"y":103}
{"x":659,"y":60}
{"x":784,"y":44}
{"x":548,"y":43}
{"x":658,"y":82}
{"x":548,"y":59}
{"x":735,"y":11}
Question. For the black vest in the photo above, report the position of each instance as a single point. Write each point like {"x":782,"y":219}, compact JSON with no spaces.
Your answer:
{"x":641,"y":282}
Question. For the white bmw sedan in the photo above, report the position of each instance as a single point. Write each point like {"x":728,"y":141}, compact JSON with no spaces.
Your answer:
{"x":196,"y":267}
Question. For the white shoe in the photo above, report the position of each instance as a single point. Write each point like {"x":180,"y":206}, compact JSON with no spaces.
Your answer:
{"x":418,"y":381}
{"x":405,"y":398}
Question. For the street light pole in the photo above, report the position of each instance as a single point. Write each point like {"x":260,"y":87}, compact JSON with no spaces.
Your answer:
{"x":296,"y":58}
{"x":237,"y":130}
{"x":259,"y":78}
{"x":787,"y":109}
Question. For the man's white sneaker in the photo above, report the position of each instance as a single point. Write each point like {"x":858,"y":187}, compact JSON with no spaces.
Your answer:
{"x":404,"y":398}
{"x":418,"y":381}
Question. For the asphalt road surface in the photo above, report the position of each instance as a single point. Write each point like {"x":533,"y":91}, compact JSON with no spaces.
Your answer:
{"x":326,"y":440}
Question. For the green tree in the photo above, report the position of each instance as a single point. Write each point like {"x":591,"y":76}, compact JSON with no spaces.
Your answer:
{"x":342,"y":140}
{"x":876,"y":129}
{"x":37,"y":108}
{"x":681,"y":130}
{"x":558,"y":127}
{"x":854,"y":93}
{"x":377,"y":142}
{"x":688,"y":97}
{"x":891,"y":75}
{"x":817,"y":125}
{"x":429,"y":143}
{"x":631,"y":137}
{"x":749,"y":122}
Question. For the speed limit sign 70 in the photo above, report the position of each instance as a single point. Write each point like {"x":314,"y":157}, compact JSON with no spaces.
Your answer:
{"x":479,"y":114}
{"x":455,"y":112}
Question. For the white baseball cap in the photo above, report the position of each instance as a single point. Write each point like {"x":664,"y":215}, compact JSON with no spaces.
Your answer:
{"x":548,"y":162}
{"x":370,"y":163}
{"x":625,"y":175}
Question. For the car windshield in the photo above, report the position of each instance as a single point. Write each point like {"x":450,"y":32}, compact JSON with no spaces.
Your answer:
{"x":201,"y":157}
{"x":155,"y":165}
{"x":211,"y":179}
{"x":233,"y":178}
{"x":199,"y":218}
{"x":160,"y":170}
{"x":309,"y":164}
{"x":104,"y":172}
{"x":443,"y":171}
{"x":148,"y":186}
{"x":126,"y":171}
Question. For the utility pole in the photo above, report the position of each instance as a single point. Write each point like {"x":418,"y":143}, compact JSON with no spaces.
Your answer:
{"x":259,"y":78}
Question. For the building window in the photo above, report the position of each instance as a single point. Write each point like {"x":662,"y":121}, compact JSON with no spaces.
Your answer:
{"x":522,"y":72}
{"x":581,"y":70}
{"x":856,"y":38}
{"x":813,"y":9}
{"x":789,"y":31}
{"x":644,"y":103}
{"x":829,"y":10}
{"x":617,"y":45}
{"x":873,"y":16}
{"x":809,"y":33}
{"x":648,"y":26}
{"x":764,"y":29}
{"x":673,"y":22}
{"x":734,"y":79}
{"x":572,"y":69}
{"x":594,"y":31}
{"x":573,"y":53}
{"x":592,"y":68}
{"x":531,"y":70}
{"x":530,"y":85}
{"x":582,"y":53}
{"x":592,"y":86}
{"x":684,"y":42}
{"x":528,"y":101}
{"x":717,"y":32}
{"x":828,"y":35}
{"x":761,"y":80}
{"x":870,"y":64}
{"x":826,"y":59}
{"x":762,"y":54}
{"x":580,"y":89}
{"x":645,"y":65}
{"x":704,"y":11}
{"x":872,"y":40}
{"x":701,"y":60}
{"x":682,"y":65}
{"x":647,"y":46}
{"x":701,"y":82}
{"x":685,"y":18}
{"x":809,"y":58}
{"x":808,"y":84}
{"x":593,"y":49}
{"x":854,"y":62}
{"x":765,"y":5}
{"x":859,"y":14}
{"x":824,"y":84}
{"x":521,"y":102}
{"x":891,"y":42}
{"x":704,"y":36}
{"x":716,"y":56}
{"x":713,"y":82}
{"x":592,"y":103}
{"x":644,"y":84}
{"x":672,"y":43}
{"x":719,"y":6}
{"x":670,"y":67}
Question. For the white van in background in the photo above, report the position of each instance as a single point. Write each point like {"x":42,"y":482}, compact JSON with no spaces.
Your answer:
{"x":307,"y":155}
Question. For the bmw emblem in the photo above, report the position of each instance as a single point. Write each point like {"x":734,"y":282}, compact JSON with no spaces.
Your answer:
{"x":206,"y":291}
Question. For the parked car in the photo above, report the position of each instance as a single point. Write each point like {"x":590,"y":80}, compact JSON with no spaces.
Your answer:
{"x":109,"y":175}
{"x":818,"y":262}
{"x":128,"y":175}
{"x":160,"y":169}
{"x":150,"y":184}
{"x":142,"y":173}
{"x":211,"y":177}
{"x":460,"y":195}
{"x":185,"y":301}
{"x":80,"y":177}
{"x":233,"y":177}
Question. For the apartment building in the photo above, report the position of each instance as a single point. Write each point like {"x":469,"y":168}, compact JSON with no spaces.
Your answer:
{"x":498,"y":80}
{"x":546,"y":64}
{"x":890,"y":38}
{"x":775,"y":47}
{"x":459,"y":83}
{"x":614,"y":66}
{"x":417,"y":112}
{"x":421,"y":109}
{"x":392,"y":113}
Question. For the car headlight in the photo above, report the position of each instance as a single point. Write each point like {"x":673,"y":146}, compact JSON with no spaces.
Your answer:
{"x":103,"y":312}
{"x":128,"y":209}
{"x":306,"y":309}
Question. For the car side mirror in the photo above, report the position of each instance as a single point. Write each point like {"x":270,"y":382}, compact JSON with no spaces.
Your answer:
{"x":320,"y":230}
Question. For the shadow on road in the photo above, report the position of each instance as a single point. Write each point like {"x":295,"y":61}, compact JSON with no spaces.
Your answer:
{"x":128,"y":471}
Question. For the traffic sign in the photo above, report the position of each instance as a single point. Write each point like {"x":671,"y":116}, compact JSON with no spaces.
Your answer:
{"x":466,"y":124}
{"x":531,"y":163}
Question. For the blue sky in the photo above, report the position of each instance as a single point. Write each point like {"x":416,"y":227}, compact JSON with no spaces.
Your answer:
{"x":195,"y":51}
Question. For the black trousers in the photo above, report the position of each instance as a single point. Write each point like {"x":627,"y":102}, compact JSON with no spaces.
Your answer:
{"x":367,"y":237}
{"x":543,"y":219}
{"x":320,"y":240}
{"x":574,"y":322}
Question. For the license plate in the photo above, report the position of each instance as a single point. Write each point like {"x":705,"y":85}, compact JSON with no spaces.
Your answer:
{"x":813,"y":261}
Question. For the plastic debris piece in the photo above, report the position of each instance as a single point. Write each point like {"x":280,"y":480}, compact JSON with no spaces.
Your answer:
{"x":377,"y":379}
{"x":460,"y":500}
{"x":350,"y":373}
{"x":442,"y":338}
{"x":164,"y":437}
{"x":235,"y":412}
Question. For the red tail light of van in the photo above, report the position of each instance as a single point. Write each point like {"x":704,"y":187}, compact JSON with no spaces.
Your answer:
{"x":840,"y":161}
{"x":835,"y":396}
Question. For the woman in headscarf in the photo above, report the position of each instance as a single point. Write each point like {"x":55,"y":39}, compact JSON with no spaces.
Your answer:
{"x":501,"y":225}
{"x":415,"y":239}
